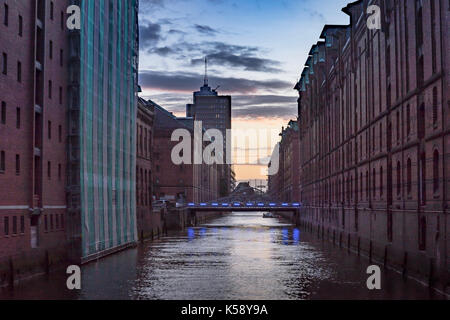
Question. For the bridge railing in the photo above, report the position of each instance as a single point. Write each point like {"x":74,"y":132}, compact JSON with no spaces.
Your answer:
{"x":244,"y":205}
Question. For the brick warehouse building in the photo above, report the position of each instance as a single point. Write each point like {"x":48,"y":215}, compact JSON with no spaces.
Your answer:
{"x":147,"y":221}
{"x":33,"y":130}
{"x":52,"y":204}
{"x":184,"y":182}
{"x":284,"y":184}
{"x":374,"y":120}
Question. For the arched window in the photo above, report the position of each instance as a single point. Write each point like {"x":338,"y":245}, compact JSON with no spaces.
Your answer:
{"x":436,"y":171}
{"x":367,"y":184}
{"x":422,"y":233}
{"x":435,"y":105}
{"x":374,"y":182}
{"x":423,"y":179}
{"x":409,"y":176}
{"x":408,"y":120}
{"x":399,"y":182}
{"x":381,"y":182}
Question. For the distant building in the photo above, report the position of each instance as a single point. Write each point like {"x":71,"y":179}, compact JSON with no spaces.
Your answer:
{"x":146,"y":220}
{"x":214,"y":111}
{"x":184,"y":182}
{"x":283,"y":185}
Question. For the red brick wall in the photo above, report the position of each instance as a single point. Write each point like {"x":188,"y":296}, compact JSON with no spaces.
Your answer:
{"x":355,"y":129}
{"x":16,"y":190}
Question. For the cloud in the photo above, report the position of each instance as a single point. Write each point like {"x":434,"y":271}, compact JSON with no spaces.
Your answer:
{"x":218,"y":53}
{"x":205,"y":30}
{"x":264,"y":106}
{"x":276,"y":112}
{"x":243,"y":106}
{"x":145,"y":5}
{"x":189,"y":82}
{"x":149,"y":35}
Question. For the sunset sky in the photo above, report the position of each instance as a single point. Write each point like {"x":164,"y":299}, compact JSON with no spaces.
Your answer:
{"x":256,"y":51}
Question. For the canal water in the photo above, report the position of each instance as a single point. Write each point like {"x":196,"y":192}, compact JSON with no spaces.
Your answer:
{"x":236,"y":256}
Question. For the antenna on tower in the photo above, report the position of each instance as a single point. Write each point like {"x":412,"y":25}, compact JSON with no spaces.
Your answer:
{"x":206,"y":72}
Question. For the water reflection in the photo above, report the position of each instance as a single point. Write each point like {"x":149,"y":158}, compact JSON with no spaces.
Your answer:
{"x":237,"y":256}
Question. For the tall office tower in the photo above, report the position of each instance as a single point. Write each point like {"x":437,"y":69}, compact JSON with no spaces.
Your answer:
{"x":102,"y":128}
{"x":33,"y":49}
{"x":214,"y":111}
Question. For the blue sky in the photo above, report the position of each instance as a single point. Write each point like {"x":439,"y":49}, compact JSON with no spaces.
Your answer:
{"x":256,"y":50}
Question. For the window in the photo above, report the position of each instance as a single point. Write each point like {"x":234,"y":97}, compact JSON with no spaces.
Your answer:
{"x":2,"y":162}
{"x":49,"y":130}
{"x":62,"y":20}
{"x":18,"y":118}
{"x":59,"y":172}
{"x":60,"y":133}
{"x":3,"y":113}
{"x":409,"y":176}
{"x":52,"y":9}
{"x":435,"y":106}
{"x":61,"y":57}
{"x":22,"y":224}
{"x":51,"y":222}
{"x":49,"y":170}
{"x":436,"y":171}
{"x":17,"y":164}
{"x":399,"y":182}
{"x":14,"y":225}
{"x":6,"y":14}
{"x":20,"y":26}
{"x":367,"y":185}
{"x":433,"y":35}
{"x":422,"y":233}
{"x":62,"y":221}
{"x":50,"y":84}
{"x":60,"y":95}
{"x":374,"y":182}
{"x":6,"y":226}
{"x":398,"y":126}
{"x":381,"y":182}
{"x":45,"y":223}
{"x":19,"y":71}
{"x":381,"y":137}
{"x":51,"y":49}
{"x":423,"y":178}
{"x":5,"y":64}
{"x":57,"y":221}
{"x":408,"y":120}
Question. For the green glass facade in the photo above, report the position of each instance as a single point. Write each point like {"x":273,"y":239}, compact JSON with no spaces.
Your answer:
{"x":103,"y":192}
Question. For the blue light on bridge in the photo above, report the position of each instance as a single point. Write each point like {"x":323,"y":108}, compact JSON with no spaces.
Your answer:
{"x":191,"y":204}
{"x":237,"y":204}
{"x":224,"y":204}
{"x":215,"y":204}
{"x":296,"y":204}
{"x":272,"y":204}
{"x":203,"y":204}
{"x":285,"y":237}
{"x":191,"y":234}
{"x":296,"y":236}
{"x":260,"y":204}
{"x":250,"y":204}
{"x":285,"y":204}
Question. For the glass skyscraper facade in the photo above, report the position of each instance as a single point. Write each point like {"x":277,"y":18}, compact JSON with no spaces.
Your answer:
{"x":102,"y":125}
